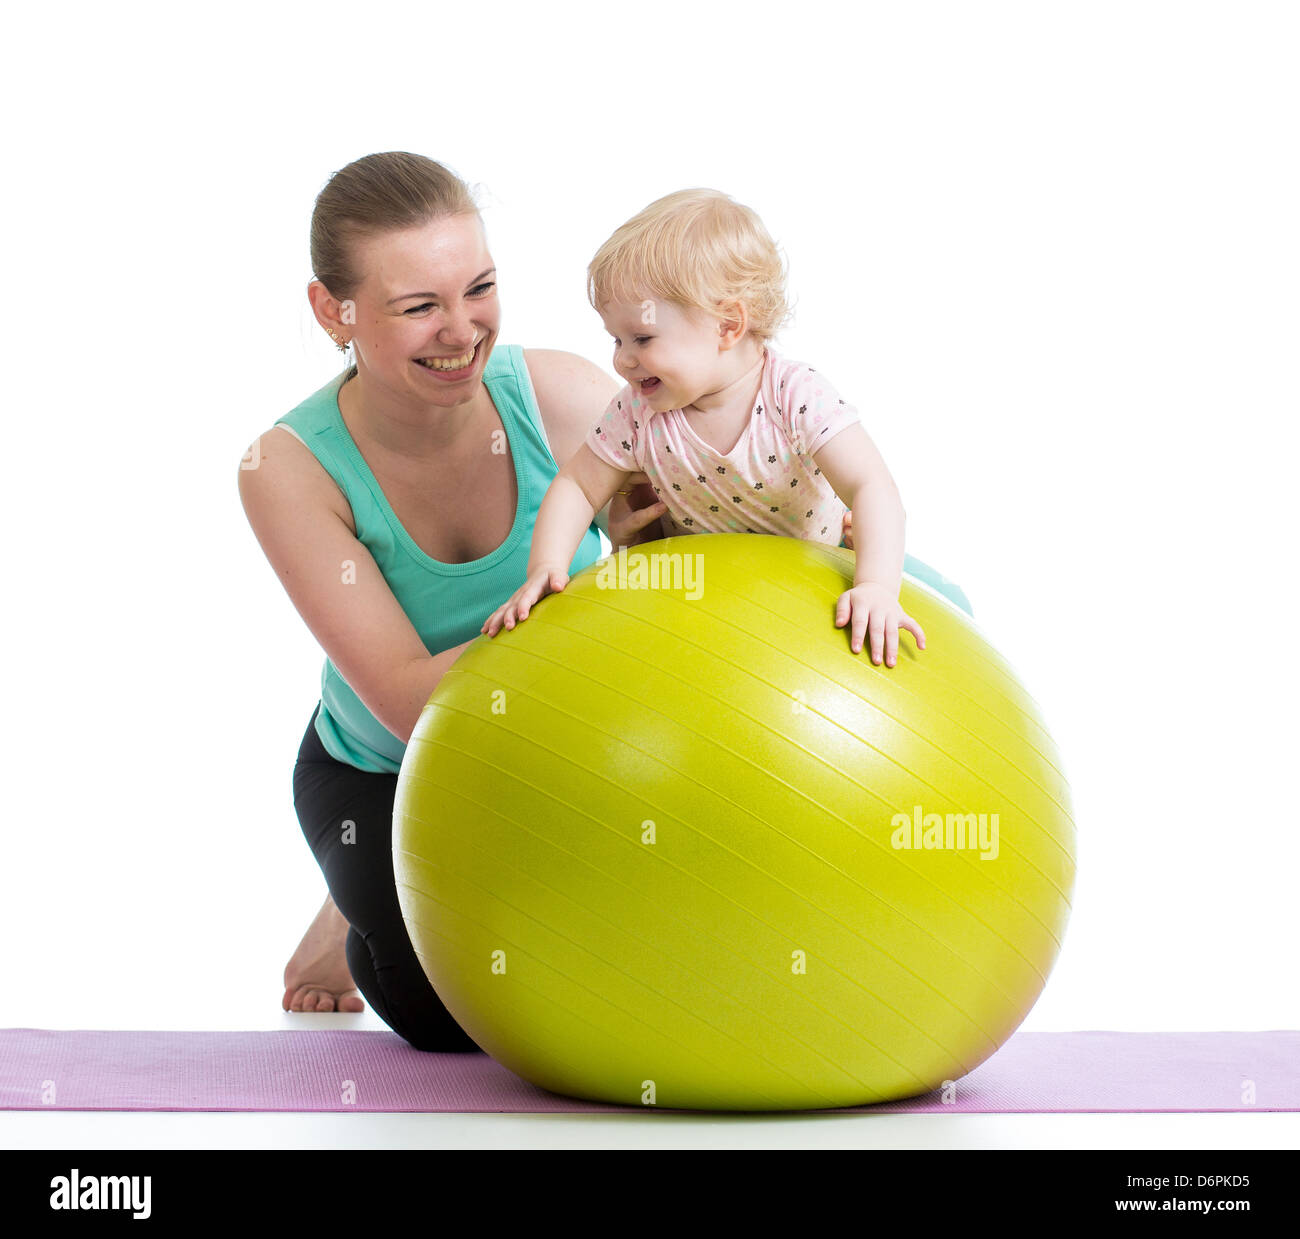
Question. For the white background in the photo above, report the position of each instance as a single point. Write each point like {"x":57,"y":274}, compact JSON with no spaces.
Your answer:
{"x":1049,"y":250}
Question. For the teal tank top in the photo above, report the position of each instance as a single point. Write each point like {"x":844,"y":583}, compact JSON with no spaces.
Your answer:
{"x":446,"y":603}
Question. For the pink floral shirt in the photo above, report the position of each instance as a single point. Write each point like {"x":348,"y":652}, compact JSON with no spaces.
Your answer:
{"x":768,"y":482}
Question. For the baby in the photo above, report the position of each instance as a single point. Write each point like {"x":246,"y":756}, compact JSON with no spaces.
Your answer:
{"x":732,"y":436}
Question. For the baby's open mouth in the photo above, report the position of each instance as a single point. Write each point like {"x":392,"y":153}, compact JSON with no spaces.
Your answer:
{"x":649,"y":385}
{"x":448,"y":363}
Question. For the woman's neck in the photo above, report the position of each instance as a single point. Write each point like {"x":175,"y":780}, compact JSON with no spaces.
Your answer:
{"x":406,"y":428}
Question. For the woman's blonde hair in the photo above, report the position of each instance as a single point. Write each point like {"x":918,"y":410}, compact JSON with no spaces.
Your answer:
{"x":378,"y":193}
{"x":698,"y":248}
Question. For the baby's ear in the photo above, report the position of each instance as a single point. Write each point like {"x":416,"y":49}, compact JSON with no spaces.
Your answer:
{"x":733,"y":320}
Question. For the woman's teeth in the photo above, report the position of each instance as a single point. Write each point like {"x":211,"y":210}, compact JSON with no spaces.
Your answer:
{"x":448,"y":363}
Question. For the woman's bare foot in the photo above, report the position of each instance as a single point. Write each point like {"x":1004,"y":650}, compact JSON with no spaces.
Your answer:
{"x":317,"y":977}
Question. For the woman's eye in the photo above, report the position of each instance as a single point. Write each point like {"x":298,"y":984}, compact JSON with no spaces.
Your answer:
{"x":481,"y":290}
{"x":415,"y":309}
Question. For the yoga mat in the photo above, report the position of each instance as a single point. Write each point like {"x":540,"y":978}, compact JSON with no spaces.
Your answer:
{"x":348,"y":1070}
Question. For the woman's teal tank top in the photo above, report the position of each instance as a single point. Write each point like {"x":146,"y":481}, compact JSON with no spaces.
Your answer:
{"x":447,"y":603}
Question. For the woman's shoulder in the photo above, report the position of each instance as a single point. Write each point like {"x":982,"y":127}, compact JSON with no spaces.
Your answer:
{"x":559,"y":376}
{"x":280,"y":473}
{"x":572,"y":393}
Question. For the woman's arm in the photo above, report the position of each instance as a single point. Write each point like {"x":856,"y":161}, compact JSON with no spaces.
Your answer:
{"x":305,"y":528}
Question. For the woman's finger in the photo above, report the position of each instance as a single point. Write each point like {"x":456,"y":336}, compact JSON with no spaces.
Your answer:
{"x":639,"y":518}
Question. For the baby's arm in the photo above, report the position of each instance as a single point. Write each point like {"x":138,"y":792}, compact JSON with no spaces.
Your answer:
{"x":857,"y":472}
{"x":583,"y":486}
{"x":859,"y":476}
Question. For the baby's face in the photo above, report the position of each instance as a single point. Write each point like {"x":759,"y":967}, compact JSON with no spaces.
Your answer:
{"x":669,"y":353}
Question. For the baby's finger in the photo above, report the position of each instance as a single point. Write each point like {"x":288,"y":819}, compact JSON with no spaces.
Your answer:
{"x":877,"y":629}
{"x":528,"y":594}
{"x":517,"y":608}
{"x":860,"y":620}
{"x":525,"y":603}
{"x":891,"y":643}
{"x":843,"y":608}
{"x":535,"y":591}
{"x":915,"y":629}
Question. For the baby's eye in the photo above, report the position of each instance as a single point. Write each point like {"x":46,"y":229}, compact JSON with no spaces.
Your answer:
{"x":641,"y":339}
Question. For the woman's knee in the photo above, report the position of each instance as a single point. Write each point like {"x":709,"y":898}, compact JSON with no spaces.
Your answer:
{"x":386,"y":970}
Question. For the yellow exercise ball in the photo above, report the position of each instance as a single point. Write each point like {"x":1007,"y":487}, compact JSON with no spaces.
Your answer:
{"x":670,"y":842}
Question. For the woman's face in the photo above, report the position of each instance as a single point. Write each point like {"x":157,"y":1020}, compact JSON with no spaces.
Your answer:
{"x":427,"y":313}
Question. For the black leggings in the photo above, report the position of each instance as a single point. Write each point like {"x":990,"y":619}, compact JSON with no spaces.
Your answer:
{"x":326,"y":794}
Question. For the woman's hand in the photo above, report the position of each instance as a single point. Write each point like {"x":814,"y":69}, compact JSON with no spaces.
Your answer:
{"x":542,"y":581}
{"x":875,"y":609}
{"x":634,"y":517}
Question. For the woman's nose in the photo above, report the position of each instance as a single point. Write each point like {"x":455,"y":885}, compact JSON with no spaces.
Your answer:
{"x":458,"y":329}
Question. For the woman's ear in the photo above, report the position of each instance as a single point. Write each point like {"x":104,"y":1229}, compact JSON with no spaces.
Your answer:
{"x":332,"y":314}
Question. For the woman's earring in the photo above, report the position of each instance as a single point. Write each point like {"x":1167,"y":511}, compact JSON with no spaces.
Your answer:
{"x":343,"y":344}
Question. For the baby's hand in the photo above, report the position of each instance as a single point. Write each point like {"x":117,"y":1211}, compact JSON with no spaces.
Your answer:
{"x":874,"y":608}
{"x":542,"y":582}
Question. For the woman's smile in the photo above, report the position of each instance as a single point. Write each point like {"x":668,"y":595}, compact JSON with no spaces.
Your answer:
{"x":450,"y":368}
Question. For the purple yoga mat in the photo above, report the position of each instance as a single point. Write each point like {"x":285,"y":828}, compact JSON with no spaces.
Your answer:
{"x":1034,"y":1073}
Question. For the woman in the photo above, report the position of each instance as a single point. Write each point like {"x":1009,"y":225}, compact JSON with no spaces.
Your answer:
{"x":396,"y":505}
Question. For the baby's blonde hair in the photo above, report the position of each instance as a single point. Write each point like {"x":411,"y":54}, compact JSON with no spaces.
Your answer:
{"x":698,"y":248}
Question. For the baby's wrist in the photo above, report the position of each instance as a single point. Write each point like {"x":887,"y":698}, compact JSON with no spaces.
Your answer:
{"x":891,"y":588}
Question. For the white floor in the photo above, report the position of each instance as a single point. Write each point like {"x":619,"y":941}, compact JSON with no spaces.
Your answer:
{"x":506,"y":1131}
{"x":636,"y":1130}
